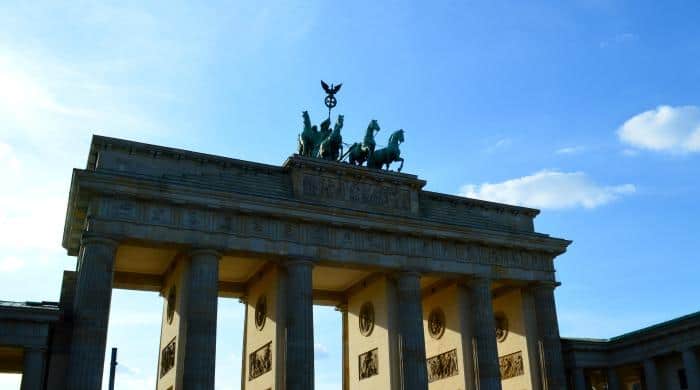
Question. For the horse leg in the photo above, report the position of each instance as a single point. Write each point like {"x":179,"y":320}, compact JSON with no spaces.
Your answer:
{"x":400,"y":166}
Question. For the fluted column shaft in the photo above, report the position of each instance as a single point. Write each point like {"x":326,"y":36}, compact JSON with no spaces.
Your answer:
{"x":411,"y":341}
{"x":244,"y":352}
{"x":488,"y":374}
{"x":93,"y":295}
{"x":651,"y":376}
{"x":579,"y":378}
{"x":343,"y":309}
{"x":300,"y":326}
{"x":548,"y":335}
{"x":613,"y":379}
{"x":690,"y":363}
{"x":33,"y":370}
{"x":201,"y":286}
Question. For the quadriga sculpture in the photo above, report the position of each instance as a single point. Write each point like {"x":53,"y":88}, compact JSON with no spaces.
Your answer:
{"x":358,"y":153}
{"x":391,"y":153}
{"x":331,"y":147}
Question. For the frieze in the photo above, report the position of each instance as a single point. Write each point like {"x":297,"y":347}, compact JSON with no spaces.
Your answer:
{"x":511,"y":365}
{"x":194,"y":219}
{"x":159,"y":215}
{"x":326,"y":235}
{"x":260,"y":361}
{"x":442,"y":366}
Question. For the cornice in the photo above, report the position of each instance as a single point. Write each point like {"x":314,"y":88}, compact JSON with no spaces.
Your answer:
{"x":147,"y":188}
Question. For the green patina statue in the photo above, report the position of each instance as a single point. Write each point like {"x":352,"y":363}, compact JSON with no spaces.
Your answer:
{"x":358,"y":153}
{"x":327,"y":144}
{"x":324,"y":143}
{"x":388,"y":155}
{"x":331,"y":148}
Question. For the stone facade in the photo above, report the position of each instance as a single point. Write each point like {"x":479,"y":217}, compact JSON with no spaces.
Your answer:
{"x":663,"y":356}
{"x":435,"y":291}
{"x":195,"y":227}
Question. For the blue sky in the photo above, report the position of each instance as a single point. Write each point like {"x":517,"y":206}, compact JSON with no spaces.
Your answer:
{"x":589,"y":110}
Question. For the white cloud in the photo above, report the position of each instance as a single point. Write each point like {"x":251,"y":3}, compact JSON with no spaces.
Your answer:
{"x":570,"y":150}
{"x":666,"y":128}
{"x":11,"y":264}
{"x":549,"y":189}
{"x":320,"y":351}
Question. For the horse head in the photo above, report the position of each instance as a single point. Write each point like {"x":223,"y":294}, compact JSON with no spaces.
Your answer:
{"x":307,"y":120}
{"x":396,"y":137}
{"x":374,"y":125}
{"x":338,"y":124}
{"x":325,"y":125}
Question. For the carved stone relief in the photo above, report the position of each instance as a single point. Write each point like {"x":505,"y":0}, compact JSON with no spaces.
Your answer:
{"x":511,"y":365}
{"x":442,"y":366}
{"x":172,"y":301}
{"x":366,"y":318}
{"x":260,"y":361}
{"x":167,"y":358}
{"x":318,"y":234}
{"x":336,"y":189}
{"x":368,"y":364}
{"x":436,"y":323}
{"x":261,"y":312}
{"x":501,"y":322}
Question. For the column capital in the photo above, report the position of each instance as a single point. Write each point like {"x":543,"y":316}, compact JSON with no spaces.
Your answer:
{"x":36,"y":348}
{"x":298,"y":261}
{"x":404,"y":273}
{"x":544,"y":285}
{"x":203,"y":252}
{"x":88,"y":239}
{"x":477,"y":281}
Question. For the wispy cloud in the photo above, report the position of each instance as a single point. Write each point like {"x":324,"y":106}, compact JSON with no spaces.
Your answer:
{"x":320,"y":351}
{"x":500,"y":144}
{"x":664,"y":129}
{"x":549,"y":189}
{"x":570,"y":150}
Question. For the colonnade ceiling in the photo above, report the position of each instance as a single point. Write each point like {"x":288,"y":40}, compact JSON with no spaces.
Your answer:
{"x":11,"y":360}
{"x":143,"y":268}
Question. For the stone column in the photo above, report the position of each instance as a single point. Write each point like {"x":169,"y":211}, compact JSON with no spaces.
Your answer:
{"x":579,"y":378}
{"x":300,"y":326}
{"x":343,"y":309}
{"x":466,"y":329}
{"x":202,"y":289}
{"x":33,"y":370}
{"x":411,"y":341}
{"x":552,"y":364}
{"x":651,"y":377}
{"x":690,"y":363}
{"x":244,"y":352}
{"x":93,"y":295}
{"x":613,"y":379}
{"x":487,"y":372}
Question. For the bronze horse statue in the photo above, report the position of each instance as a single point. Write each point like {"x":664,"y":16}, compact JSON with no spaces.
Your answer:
{"x":308,"y":138}
{"x":391,"y":153}
{"x":358,"y":153}
{"x":331,"y":148}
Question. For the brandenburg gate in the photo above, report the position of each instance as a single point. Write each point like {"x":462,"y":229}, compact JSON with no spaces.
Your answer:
{"x":436,"y":291}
